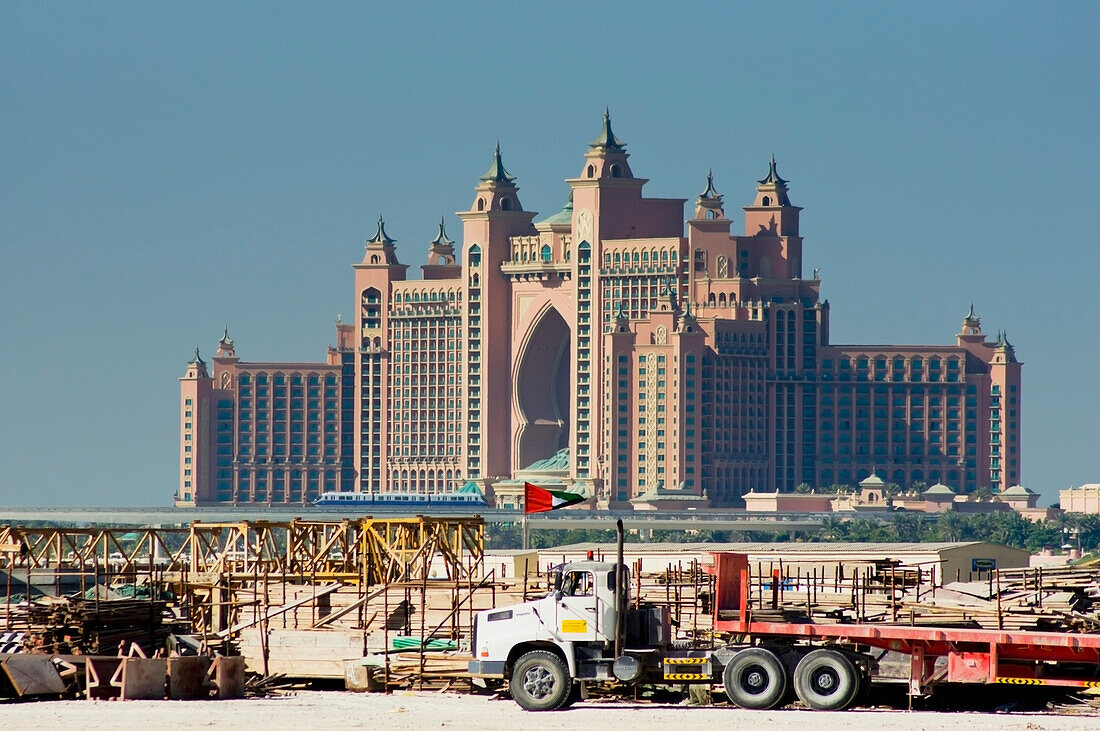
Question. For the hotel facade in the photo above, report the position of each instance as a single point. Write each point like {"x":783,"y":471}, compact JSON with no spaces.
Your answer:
{"x":645,"y":356}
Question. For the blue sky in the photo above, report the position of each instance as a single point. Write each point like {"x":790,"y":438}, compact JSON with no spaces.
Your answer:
{"x":167,"y":168}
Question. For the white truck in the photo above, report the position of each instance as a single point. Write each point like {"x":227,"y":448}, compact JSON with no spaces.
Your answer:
{"x":586,"y":630}
{"x":548,"y":647}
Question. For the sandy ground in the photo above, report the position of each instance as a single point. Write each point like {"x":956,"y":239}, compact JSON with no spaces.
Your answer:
{"x":337,"y":710}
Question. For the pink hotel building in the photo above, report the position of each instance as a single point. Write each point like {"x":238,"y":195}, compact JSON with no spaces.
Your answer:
{"x":697,"y":361}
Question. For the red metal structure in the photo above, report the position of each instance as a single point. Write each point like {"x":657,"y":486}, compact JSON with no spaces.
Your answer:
{"x":972,"y":655}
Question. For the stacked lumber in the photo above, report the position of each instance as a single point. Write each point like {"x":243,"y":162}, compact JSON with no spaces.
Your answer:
{"x":68,"y":625}
{"x":430,"y":671}
{"x":13,"y":617}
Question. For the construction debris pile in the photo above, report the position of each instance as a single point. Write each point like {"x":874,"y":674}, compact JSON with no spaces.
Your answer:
{"x":78,"y":626}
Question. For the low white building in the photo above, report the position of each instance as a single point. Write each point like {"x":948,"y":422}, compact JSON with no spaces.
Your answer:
{"x":964,"y":560}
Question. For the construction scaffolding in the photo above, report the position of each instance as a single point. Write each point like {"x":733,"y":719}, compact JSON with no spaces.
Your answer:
{"x":299,"y":597}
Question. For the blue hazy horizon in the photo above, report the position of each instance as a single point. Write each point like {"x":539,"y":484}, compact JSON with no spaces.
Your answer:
{"x":170,"y":168}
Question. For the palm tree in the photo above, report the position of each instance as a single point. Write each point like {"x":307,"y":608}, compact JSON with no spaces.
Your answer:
{"x":951,"y":526}
{"x":833,"y":529}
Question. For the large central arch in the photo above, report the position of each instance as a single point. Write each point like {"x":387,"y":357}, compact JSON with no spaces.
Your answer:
{"x":543,"y":390}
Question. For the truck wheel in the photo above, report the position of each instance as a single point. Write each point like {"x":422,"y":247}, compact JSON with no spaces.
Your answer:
{"x":573,"y":697}
{"x":755,"y":678}
{"x":540,"y":682}
{"x":826,"y":680}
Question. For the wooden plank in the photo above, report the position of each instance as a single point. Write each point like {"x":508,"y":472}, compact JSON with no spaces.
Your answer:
{"x":275,"y":611}
{"x":347,"y":610}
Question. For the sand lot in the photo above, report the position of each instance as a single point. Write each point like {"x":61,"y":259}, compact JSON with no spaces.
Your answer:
{"x":337,"y":710}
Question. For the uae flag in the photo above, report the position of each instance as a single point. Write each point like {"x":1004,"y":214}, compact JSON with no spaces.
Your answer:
{"x":539,"y":500}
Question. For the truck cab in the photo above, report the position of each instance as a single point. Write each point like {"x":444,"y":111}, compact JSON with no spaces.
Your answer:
{"x":546,"y":646}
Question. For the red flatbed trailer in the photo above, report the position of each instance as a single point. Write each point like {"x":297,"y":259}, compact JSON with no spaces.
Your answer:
{"x":983,"y":656}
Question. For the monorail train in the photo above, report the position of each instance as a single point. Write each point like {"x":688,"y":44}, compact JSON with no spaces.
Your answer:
{"x":401,"y":499}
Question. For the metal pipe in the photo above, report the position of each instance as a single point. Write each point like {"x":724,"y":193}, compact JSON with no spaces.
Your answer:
{"x":619,"y":589}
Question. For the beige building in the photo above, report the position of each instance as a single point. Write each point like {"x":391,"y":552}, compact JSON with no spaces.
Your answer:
{"x":1083,"y":499}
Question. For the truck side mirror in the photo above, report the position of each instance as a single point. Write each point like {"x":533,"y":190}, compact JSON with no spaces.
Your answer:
{"x":558,"y":594}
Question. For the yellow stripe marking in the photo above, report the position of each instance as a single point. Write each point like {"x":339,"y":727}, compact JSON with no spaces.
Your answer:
{"x":685,"y":660}
{"x":686,"y":676}
{"x":1021,"y":681}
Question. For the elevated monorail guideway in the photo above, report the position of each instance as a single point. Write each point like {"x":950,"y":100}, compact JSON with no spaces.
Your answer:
{"x":563,"y":520}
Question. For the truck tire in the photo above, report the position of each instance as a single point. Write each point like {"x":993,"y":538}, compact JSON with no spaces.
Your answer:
{"x":755,"y":678}
{"x":826,"y":680}
{"x":574,"y":696}
{"x":540,"y":682}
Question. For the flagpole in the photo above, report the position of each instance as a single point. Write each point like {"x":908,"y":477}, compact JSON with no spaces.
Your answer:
{"x":526,"y":534}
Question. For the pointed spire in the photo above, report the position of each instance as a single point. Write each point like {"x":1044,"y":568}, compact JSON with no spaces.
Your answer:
{"x":225,"y":346}
{"x":620,"y":312}
{"x":970,"y":315}
{"x":710,"y":193}
{"x":687,"y":318}
{"x":197,"y":360}
{"x":668,"y":291}
{"x":380,"y":236}
{"x":773,"y":176}
{"x":607,"y":139}
{"x":496,"y":172}
{"x":441,"y":239}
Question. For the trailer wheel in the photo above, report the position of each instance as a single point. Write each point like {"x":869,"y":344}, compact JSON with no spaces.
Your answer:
{"x":755,"y":678}
{"x":540,"y":682}
{"x":864,"y":693}
{"x":826,"y":680}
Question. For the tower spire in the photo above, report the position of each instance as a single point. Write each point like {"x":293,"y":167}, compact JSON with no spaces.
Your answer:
{"x":380,"y":236}
{"x":441,"y":250}
{"x":607,"y":139}
{"x":771,"y":190}
{"x":620,"y":312}
{"x":496,"y":172}
{"x":971,"y":330}
{"x":710,"y":193}
{"x":380,"y":247}
{"x":772,"y":177}
{"x":225,"y":346}
{"x":441,"y":239}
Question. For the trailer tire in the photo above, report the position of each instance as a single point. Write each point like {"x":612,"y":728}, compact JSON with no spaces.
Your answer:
{"x":756,"y":679}
{"x":865,"y":687}
{"x":826,"y":680}
{"x":540,"y":682}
